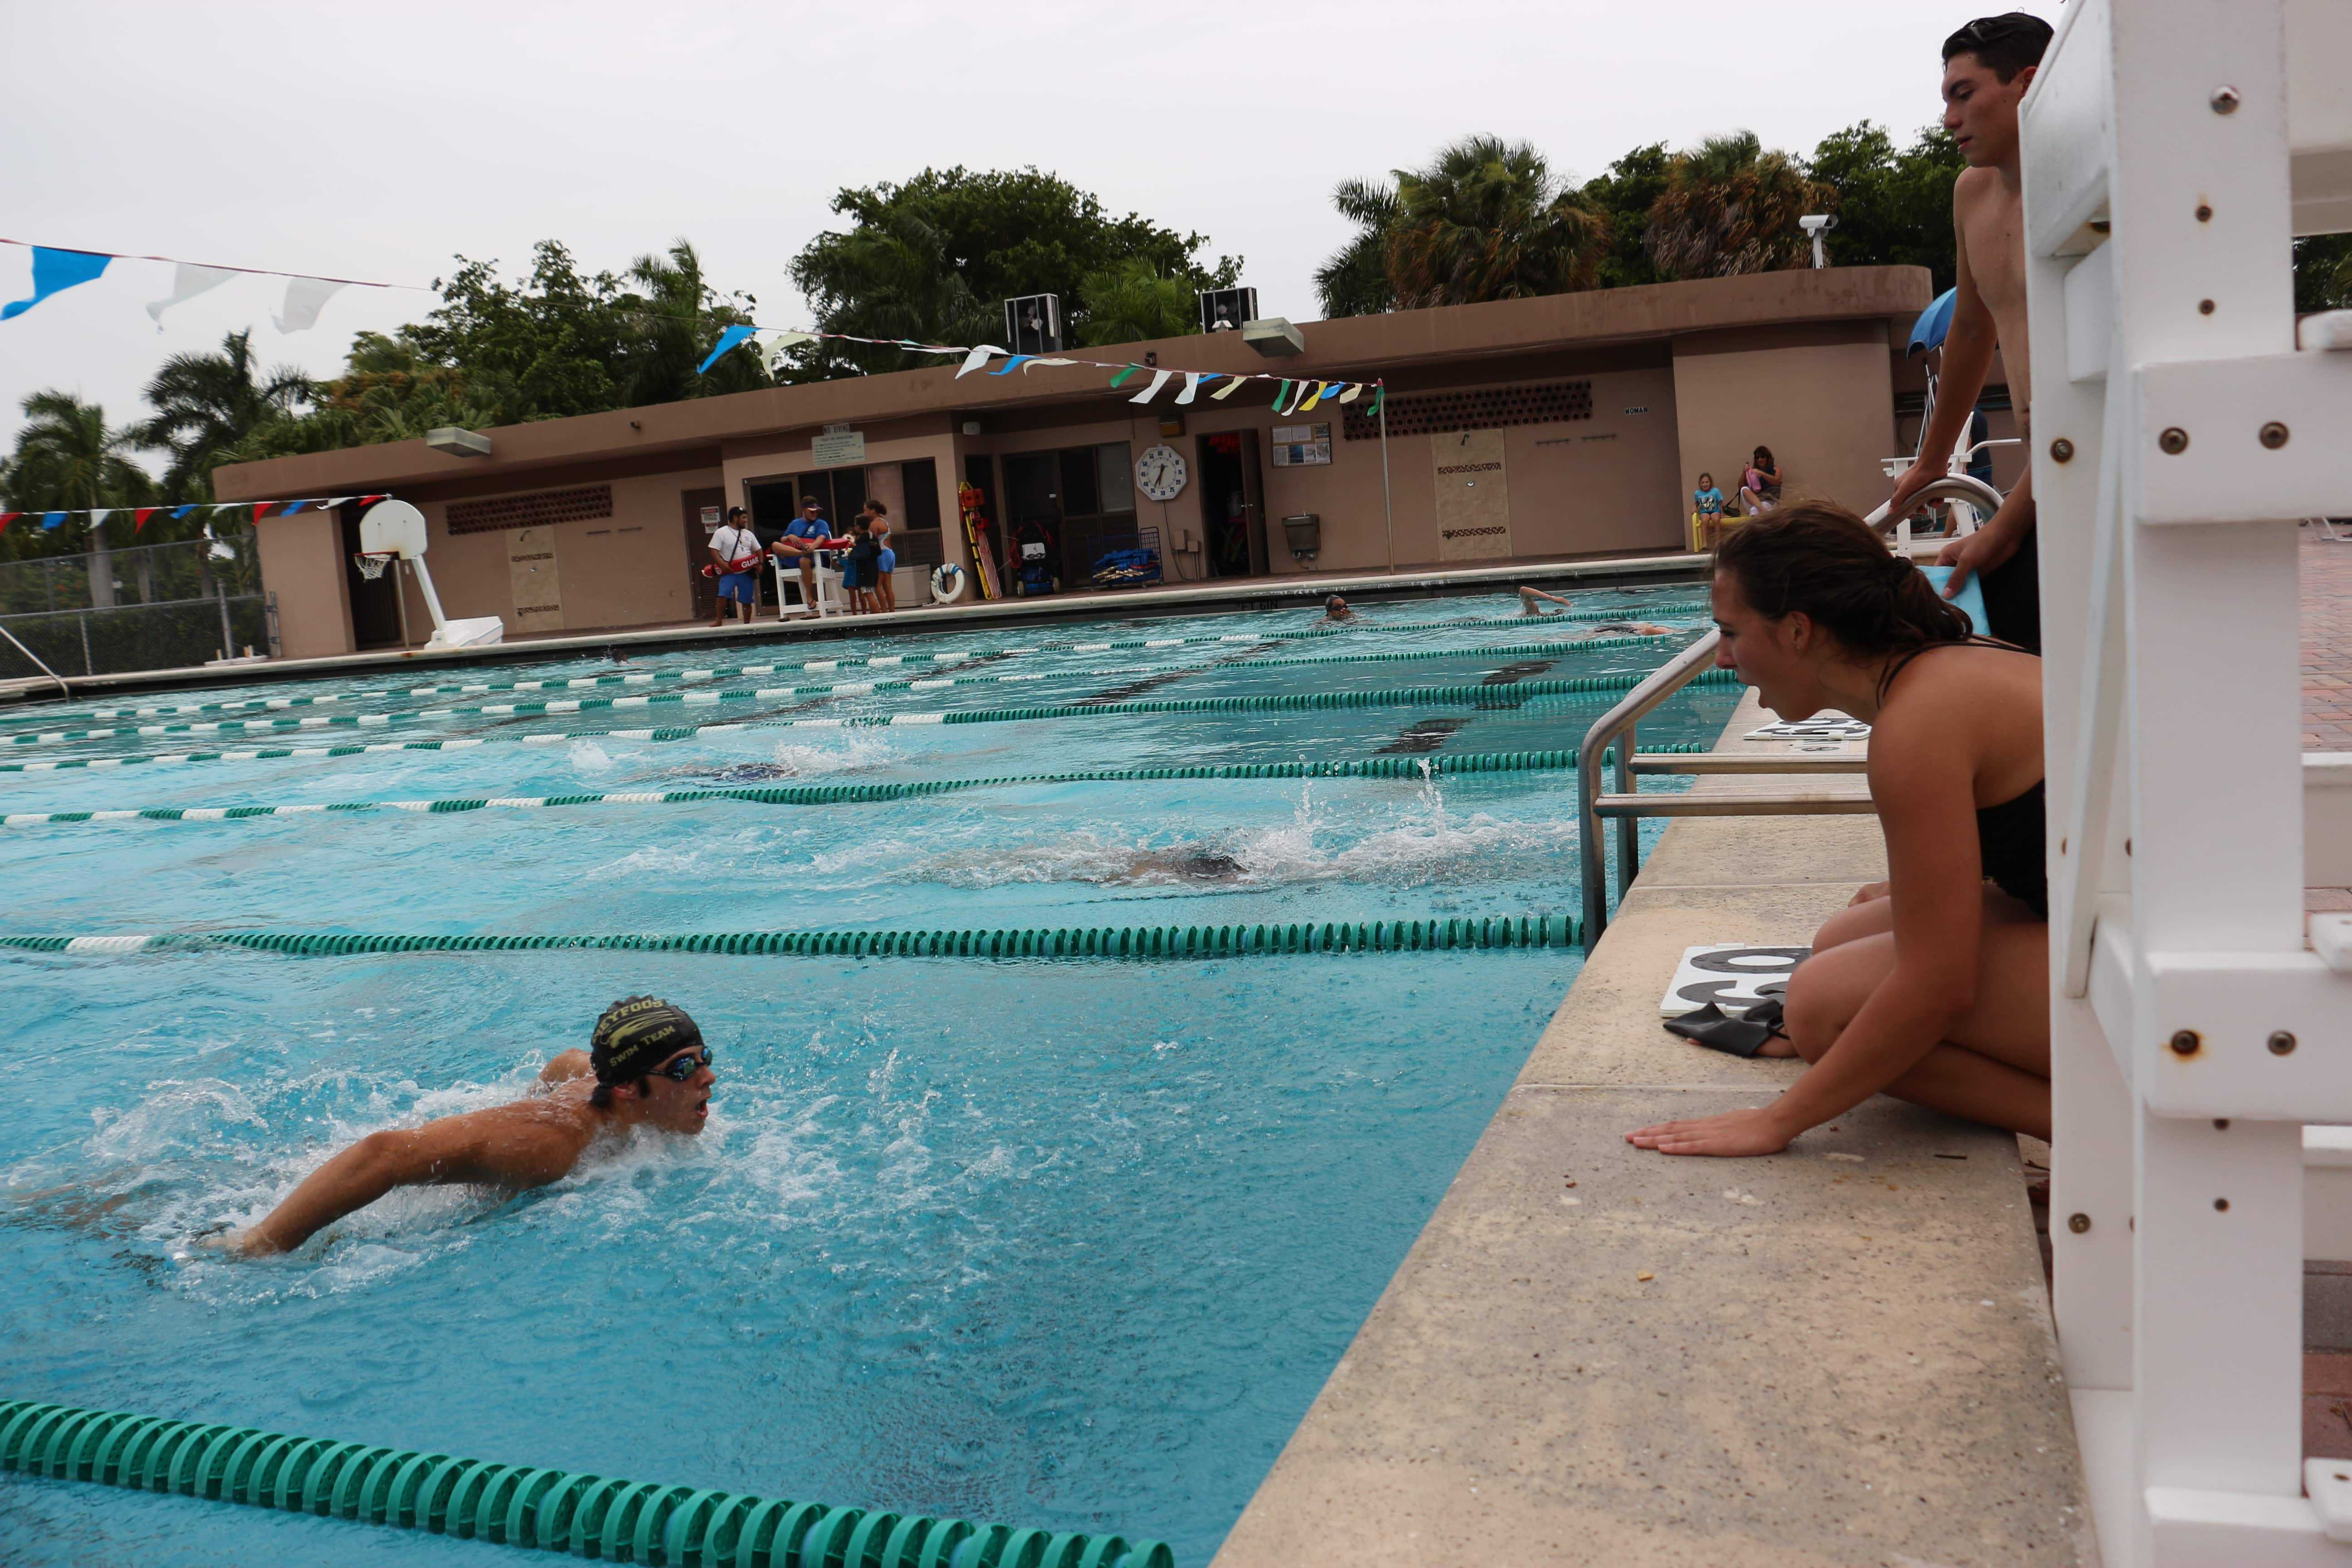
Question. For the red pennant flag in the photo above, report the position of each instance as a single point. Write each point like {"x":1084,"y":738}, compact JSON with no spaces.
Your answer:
{"x":261,"y":507}
{"x":364,"y":499}
{"x":139,"y":518}
{"x":8,"y":517}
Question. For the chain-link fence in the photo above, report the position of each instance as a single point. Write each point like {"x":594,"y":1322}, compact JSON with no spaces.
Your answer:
{"x":150,"y":606}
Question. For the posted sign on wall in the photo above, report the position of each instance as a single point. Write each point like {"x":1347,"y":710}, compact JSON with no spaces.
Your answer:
{"x":838,"y":449}
{"x":1302,"y":446}
{"x":537,"y":581}
{"x":1473,"y":497}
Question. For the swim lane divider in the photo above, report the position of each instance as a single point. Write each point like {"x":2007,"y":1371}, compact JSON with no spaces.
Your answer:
{"x":703,"y":697}
{"x":855,"y":794}
{"x":876,"y":661}
{"x":1481,"y":696}
{"x":1000,"y":942}
{"x":521,"y":1505}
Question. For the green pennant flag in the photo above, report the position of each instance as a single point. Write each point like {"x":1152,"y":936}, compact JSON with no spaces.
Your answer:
{"x":1117,"y":380}
{"x":1281,"y":395}
{"x":1380,"y":395}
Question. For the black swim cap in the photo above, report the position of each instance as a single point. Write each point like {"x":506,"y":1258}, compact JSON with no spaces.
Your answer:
{"x":636,"y":1035}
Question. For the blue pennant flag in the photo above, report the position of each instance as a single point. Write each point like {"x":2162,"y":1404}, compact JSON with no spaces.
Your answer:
{"x":180,"y":512}
{"x":1012,"y":363}
{"x":297,"y":506}
{"x":726,"y":339}
{"x":53,"y":520}
{"x":53,"y":272}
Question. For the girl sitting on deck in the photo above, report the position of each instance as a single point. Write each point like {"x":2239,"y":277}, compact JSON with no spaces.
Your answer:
{"x":1932,"y":986}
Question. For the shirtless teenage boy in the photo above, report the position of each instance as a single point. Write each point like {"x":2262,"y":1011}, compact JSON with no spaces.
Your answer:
{"x":646,"y":1066}
{"x":1988,"y":65}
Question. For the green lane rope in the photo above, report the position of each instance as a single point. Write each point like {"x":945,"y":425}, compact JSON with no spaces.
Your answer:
{"x":1511,"y":695}
{"x":579,"y":683}
{"x":1428,"y":935}
{"x":853,"y":793}
{"x":521,"y":1505}
{"x":779,"y":693}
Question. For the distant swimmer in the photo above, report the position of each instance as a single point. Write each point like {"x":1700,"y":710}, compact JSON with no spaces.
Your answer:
{"x":1335,"y":608}
{"x":1528,"y":605}
{"x":645,"y":1066}
{"x":1629,"y":629}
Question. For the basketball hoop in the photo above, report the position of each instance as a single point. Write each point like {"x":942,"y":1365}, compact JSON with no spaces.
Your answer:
{"x":371,"y":563}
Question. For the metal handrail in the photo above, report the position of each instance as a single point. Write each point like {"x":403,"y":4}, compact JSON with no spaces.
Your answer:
{"x":43,"y":669}
{"x":1617,"y":726}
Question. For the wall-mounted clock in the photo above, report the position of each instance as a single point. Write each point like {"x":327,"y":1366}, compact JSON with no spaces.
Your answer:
{"x":1160,"y":473}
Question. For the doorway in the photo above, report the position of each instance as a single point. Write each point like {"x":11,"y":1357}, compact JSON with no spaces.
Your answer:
{"x":704,"y":509}
{"x":376,"y":606}
{"x":1232,"y":505}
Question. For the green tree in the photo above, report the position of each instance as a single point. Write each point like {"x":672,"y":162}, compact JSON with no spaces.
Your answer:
{"x":1487,"y":221}
{"x":1730,"y":207}
{"x":933,"y":258}
{"x":1355,"y":281}
{"x":1131,"y":303}
{"x":2323,"y":272}
{"x":668,"y":331}
{"x":68,"y":456}
{"x":1894,"y":208}
{"x":1627,"y":193}
{"x":545,"y":348}
{"x":206,"y":403}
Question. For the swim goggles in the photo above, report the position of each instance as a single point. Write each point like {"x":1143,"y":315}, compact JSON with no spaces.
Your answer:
{"x":678,"y":1068}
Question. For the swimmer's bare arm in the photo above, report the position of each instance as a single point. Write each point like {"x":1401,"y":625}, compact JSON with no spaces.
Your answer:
{"x":509,"y":1146}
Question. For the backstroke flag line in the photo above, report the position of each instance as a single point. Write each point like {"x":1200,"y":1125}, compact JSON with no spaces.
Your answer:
{"x":55,"y":271}
{"x":188,"y":280}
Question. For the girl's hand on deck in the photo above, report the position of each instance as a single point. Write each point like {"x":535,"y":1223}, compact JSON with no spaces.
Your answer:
{"x":1736,"y":1133}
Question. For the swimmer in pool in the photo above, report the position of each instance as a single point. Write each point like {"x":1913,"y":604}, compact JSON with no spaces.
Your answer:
{"x":1187,"y":861}
{"x":1335,"y":608}
{"x":1528,"y":605}
{"x":1629,"y":629}
{"x":645,"y":1066}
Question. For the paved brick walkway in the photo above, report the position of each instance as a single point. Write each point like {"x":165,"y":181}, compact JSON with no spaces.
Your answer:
{"x":2327,"y":642}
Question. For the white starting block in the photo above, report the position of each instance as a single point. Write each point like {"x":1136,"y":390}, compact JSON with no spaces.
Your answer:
{"x":393,"y":530}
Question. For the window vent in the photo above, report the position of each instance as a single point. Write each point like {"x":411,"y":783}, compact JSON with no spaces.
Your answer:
{"x":578,"y":504}
{"x":1477,"y":409}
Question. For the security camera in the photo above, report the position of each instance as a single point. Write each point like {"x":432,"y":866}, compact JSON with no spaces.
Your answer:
{"x":1815,"y":225}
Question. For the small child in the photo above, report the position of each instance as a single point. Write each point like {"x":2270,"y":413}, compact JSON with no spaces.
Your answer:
{"x":885,"y":560}
{"x":1707,"y":502}
{"x":858,"y":573}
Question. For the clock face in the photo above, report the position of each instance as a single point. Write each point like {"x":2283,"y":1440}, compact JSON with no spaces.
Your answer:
{"x":1160,"y":473}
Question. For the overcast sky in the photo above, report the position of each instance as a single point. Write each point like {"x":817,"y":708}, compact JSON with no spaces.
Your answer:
{"x":375,"y":142}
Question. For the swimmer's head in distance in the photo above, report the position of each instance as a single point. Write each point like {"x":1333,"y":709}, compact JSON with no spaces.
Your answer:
{"x":636,"y":1035}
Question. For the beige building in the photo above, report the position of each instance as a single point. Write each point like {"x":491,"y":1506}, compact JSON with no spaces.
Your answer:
{"x":1531,"y":430}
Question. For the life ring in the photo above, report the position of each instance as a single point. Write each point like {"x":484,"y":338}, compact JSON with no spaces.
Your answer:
{"x":949,"y":584}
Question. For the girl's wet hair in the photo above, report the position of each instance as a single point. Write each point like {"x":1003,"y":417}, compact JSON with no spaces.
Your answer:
{"x":1816,"y":557}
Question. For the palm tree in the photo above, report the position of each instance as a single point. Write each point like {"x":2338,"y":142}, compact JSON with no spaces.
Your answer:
{"x":68,"y":457}
{"x":1487,"y":221}
{"x":1730,"y":207}
{"x":1355,"y":281}
{"x":205,"y":403}
{"x":1131,"y":302}
{"x":667,"y":332}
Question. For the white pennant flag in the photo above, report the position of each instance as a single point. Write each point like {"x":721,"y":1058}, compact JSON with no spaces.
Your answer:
{"x":305,"y":296}
{"x":976,"y":359}
{"x":188,"y":280}
{"x":1349,"y":395}
{"x":1159,"y":379}
{"x":1227,"y":390}
{"x":100,"y":515}
{"x":1029,"y":365}
{"x":777,"y":347}
{"x":1192,"y":385}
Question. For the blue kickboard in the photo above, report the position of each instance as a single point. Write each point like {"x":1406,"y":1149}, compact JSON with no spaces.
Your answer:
{"x":1971,"y":598}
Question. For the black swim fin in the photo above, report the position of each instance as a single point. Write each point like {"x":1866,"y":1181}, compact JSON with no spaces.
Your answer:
{"x":1719,"y":1031}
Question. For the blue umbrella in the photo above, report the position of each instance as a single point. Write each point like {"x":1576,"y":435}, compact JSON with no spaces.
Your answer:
{"x":1927,"y":331}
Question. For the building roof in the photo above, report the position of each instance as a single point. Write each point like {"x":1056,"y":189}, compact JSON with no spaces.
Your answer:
{"x":1352,"y":348}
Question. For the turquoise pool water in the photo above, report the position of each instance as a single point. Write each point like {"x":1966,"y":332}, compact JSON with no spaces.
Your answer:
{"x":1067,"y":1243}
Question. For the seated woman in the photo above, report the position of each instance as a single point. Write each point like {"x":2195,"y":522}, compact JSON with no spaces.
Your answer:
{"x":1932,"y":986}
{"x":1760,"y":486}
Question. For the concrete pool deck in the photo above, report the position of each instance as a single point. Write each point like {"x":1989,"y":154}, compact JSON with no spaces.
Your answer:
{"x":1592,"y":1353}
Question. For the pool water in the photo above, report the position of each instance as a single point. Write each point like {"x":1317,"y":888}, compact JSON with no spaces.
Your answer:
{"x":1069,"y":1243}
